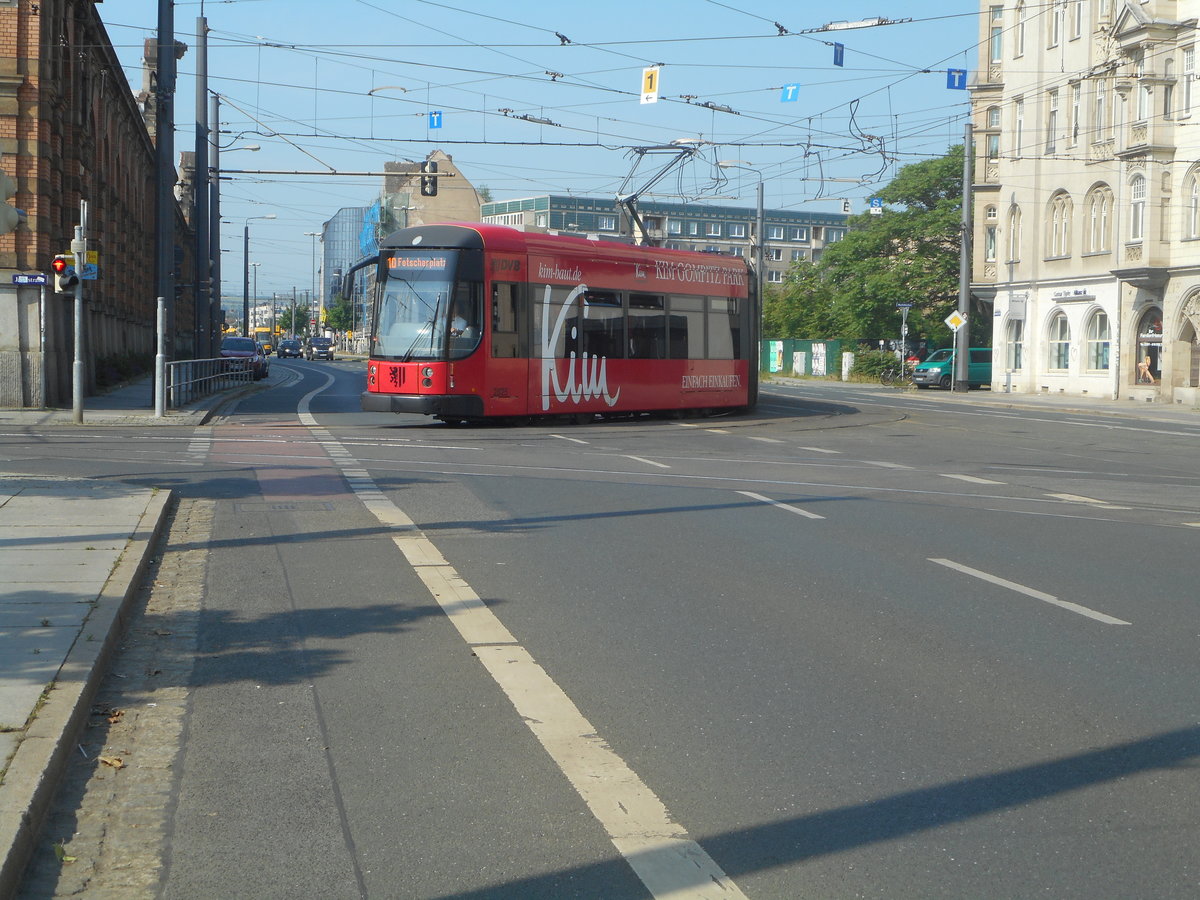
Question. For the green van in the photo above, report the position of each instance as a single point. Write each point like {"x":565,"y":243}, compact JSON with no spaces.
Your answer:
{"x":938,"y":368}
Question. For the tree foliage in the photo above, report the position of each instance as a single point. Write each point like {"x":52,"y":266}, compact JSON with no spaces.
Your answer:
{"x":909,"y":254}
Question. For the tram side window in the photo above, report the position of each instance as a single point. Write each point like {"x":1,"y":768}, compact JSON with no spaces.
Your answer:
{"x":687,"y":327}
{"x":647,"y":326}
{"x":506,"y":320}
{"x":555,"y":337}
{"x":603,"y":325}
{"x":724,"y":331}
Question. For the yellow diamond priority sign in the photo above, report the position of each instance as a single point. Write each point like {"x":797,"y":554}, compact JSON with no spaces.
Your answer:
{"x":955,"y":320}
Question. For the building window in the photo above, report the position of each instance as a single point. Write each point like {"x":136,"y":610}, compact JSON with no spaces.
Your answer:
{"x":693,"y":228}
{"x":799,"y":234}
{"x":1100,"y":124}
{"x":993,"y":117}
{"x":1169,"y":88}
{"x":737,"y":229}
{"x":1014,"y":234}
{"x":833,"y":235}
{"x":1018,"y":127}
{"x":1148,"y":358}
{"x":1076,"y":94}
{"x":1058,"y":226}
{"x":608,"y":223}
{"x":775,"y":254}
{"x":1014,"y":344}
{"x":799,"y":255}
{"x":1076,"y":17}
{"x":712,"y":229}
{"x":997,"y":33}
{"x":989,"y":243}
{"x":774,"y":276}
{"x":1191,"y":227}
{"x":1098,"y":342}
{"x":1143,"y":103}
{"x":1058,"y":344}
{"x":775,"y":232}
{"x":1189,"y":72}
{"x":737,"y":251}
{"x":1051,"y":120}
{"x":674,"y":226}
{"x":1019,"y":43}
{"x":540,"y":220}
{"x":1137,"y":210}
{"x":1099,"y":207}
{"x":1057,"y":14}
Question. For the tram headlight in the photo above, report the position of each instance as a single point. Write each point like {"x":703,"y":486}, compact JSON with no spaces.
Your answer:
{"x":427,"y":372}
{"x":427,"y":382}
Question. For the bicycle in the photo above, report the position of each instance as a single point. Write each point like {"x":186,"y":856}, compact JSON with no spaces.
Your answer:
{"x":897,"y":376}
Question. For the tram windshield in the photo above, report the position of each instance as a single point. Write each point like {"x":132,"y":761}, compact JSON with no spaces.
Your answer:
{"x":418,"y":314}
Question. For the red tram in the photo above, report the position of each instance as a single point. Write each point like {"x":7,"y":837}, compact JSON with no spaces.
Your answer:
{"x":476,"y":321}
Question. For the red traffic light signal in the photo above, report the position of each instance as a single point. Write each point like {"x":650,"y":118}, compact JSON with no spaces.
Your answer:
{"x":65,"y":276}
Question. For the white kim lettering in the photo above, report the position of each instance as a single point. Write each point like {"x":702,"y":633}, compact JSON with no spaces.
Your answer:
{"x":592,"y":378}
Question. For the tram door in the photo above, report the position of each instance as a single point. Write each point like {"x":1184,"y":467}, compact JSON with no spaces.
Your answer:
{"x":508,"y":367}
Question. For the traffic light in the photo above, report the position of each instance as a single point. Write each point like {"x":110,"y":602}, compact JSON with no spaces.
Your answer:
{"x":10,"y":216}
{"x":65,"y":276}
{"x":429,"y":178}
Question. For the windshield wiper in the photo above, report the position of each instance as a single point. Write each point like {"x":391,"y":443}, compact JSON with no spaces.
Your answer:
{"x":420,"y":334}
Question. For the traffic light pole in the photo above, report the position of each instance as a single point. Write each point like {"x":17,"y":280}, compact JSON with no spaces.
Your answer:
{"x":79,"y":252}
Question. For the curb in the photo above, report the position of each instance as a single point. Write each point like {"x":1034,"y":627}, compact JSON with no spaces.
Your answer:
{"x":37,"y":767}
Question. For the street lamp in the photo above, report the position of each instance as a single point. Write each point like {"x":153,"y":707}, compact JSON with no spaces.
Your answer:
{"x":759,"y":226}
{"x":246,"y":271}
{"x":214,"y":217}
{"x":255,"y":266}
{"x":316,"y":302}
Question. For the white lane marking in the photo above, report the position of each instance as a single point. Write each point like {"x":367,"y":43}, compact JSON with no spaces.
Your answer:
{"x":1075,"y":498}
{"x":685,"y":425}
{"x":819,"y":450}
{"x":717,"y":430}
{"x":1031,"y":592}
{"x":563,"y":437}
{"x":765,"y":440}
{"x":792,"y":509}
{"x":886,"y":465}
{"x":669,"y":863}
{"x":971,"y":478}
{"x":648,"y":462}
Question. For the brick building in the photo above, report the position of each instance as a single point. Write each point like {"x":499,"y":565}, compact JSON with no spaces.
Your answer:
{"x":72,"y":130}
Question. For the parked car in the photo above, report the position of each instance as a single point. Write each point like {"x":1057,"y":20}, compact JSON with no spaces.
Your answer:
{"x":938,"y":368}
{"x":319,"y":348}
{"x":247,"y":349}
{"x":289,"y":347}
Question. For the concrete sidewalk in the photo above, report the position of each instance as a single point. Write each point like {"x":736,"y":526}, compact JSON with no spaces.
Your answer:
{"x":72,"y":556}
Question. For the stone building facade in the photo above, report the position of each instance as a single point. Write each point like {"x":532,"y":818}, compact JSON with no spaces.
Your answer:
{"x":1087,"y":196}
{"x":71,"y":130}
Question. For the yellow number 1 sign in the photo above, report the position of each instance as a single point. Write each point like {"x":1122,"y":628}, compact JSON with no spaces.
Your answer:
{"x":650,"y":85}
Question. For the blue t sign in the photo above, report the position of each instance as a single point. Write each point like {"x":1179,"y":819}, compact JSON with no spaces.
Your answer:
{"x":956,"y":79}
{"x":435,"y":118}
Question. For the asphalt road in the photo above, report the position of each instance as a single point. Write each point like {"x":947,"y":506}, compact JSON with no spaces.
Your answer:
{"x":861,"y":643}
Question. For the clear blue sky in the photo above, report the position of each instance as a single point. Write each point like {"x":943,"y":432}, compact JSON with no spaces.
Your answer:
{"x":296,"y":77}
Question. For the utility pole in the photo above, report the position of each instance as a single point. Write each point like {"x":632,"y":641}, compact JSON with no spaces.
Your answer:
{"x":202,"y":187}
{"x":164,"y":131}
{"x":962,"y":337}
{"x":79,"y":255}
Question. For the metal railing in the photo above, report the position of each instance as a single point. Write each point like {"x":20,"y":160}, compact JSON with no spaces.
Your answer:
{"x":191,"y":379}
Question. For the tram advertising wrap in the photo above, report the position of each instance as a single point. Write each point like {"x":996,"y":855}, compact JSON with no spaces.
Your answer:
{"x":481,"y":321}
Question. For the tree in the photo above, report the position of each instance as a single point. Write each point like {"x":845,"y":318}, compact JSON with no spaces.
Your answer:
{"x":339,"y":317}
{"x":909,"y":254}
{"x":285,"y":323}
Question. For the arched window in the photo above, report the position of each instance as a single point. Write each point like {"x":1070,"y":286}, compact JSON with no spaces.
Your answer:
{"x":1058,"y":343}
{"x":989,"y":234}
{"x":1099,"y":339}
{"x":1137,"y":209}
{"x":1099,"y":207}
{"x":1014,"y":233}
{"x":1058,"y":225}
{"x":1019,"y":43}
{"x":1014,"y":344}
